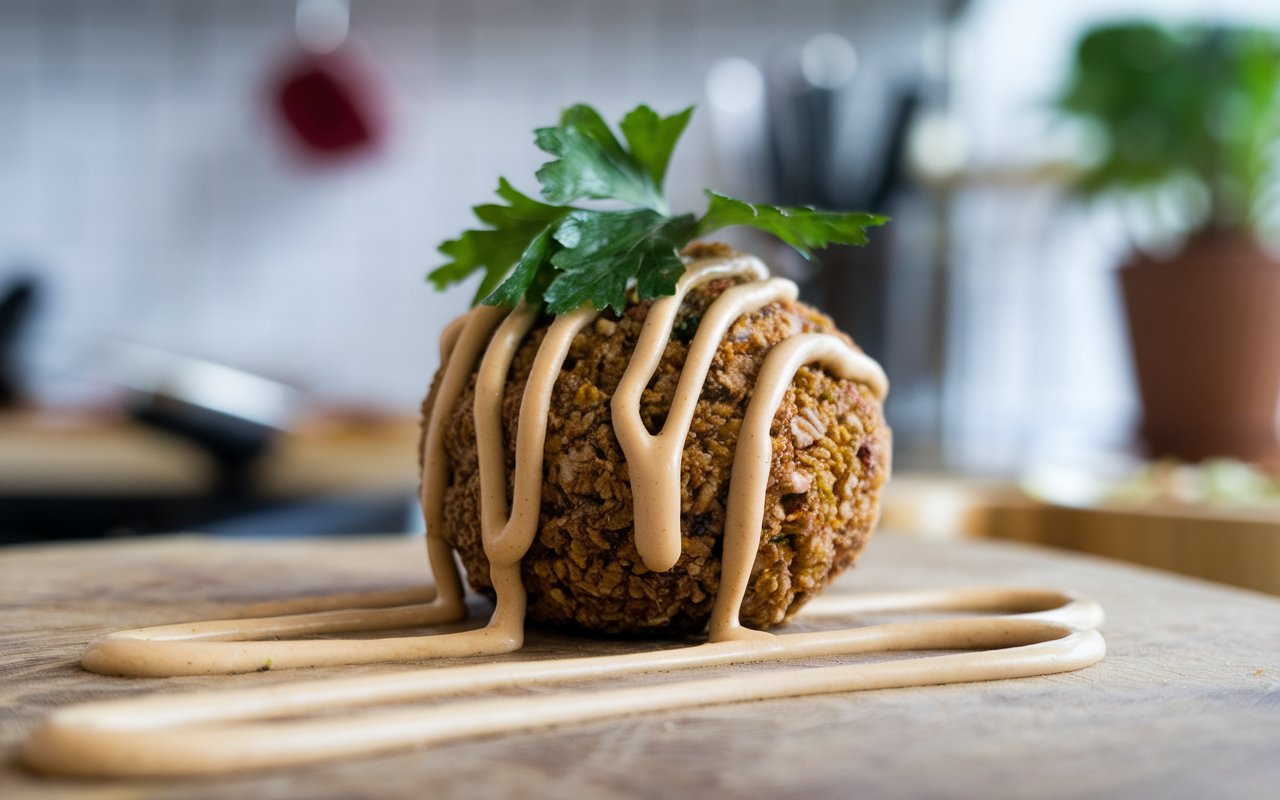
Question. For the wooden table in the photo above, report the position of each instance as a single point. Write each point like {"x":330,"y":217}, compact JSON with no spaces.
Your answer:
{"x":1186,"y":704}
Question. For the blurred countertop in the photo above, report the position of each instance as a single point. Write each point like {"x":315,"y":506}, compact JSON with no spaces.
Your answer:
{"x":1232,"y":544}
{"x":60,"y":453}
{"x":45,"y":454}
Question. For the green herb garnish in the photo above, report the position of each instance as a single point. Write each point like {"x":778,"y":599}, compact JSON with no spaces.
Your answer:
{"x":560,"y":256}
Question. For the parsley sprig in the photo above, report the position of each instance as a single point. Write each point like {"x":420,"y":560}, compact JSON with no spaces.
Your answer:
{"x":560,"y":256}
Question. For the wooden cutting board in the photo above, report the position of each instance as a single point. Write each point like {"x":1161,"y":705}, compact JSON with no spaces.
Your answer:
{"x":1186,"y":704}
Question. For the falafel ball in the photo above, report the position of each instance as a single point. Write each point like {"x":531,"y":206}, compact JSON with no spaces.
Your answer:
{"x":831,"y":457}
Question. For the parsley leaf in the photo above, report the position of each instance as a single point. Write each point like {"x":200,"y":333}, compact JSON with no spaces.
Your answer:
{"x":560,"y":256}
{"x":603,"y":250}
{"x":522,"y":282}
{"x":802,"y":227}
{"x":591,"y":163}
{"x":652,"y":138}
{"x":513,"y":228}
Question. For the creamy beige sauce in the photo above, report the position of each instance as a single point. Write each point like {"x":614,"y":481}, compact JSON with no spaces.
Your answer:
{"x":225,"y":731}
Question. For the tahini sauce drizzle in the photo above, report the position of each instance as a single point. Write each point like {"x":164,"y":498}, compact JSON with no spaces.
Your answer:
{"x":490,"y":337}
{"x":653,"y":460}
{"x":156,"y":735}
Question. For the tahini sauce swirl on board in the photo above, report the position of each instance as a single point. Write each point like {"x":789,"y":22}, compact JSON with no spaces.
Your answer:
{"x":219,"y":732}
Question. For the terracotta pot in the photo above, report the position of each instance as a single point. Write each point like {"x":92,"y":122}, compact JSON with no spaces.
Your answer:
{"x":1205,"y":334}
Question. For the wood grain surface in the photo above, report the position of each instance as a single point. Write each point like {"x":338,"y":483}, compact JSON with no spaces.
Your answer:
{"x":1186,"y":704}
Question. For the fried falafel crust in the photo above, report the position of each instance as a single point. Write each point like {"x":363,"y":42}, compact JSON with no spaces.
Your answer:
{"x":831,"y":458}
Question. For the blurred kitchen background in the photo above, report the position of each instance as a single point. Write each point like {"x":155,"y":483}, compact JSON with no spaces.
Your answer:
{"x":216,"y":317}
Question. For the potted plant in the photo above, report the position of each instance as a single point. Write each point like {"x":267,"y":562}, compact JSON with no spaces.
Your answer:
{"x":1187,"y":124}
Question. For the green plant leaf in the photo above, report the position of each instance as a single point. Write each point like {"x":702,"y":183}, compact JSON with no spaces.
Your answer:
{"x":557,"y":257}
{"x":602,"y":251}
{"x":652,"y":138}
{"x":522,"y":282}
{"x":508,"y":241}
{"x":1183,"y":111}
{"x":590,"y":163}
{"x":802,"y":227}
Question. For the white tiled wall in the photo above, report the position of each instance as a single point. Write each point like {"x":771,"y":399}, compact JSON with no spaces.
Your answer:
{"x":141,"y":176}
